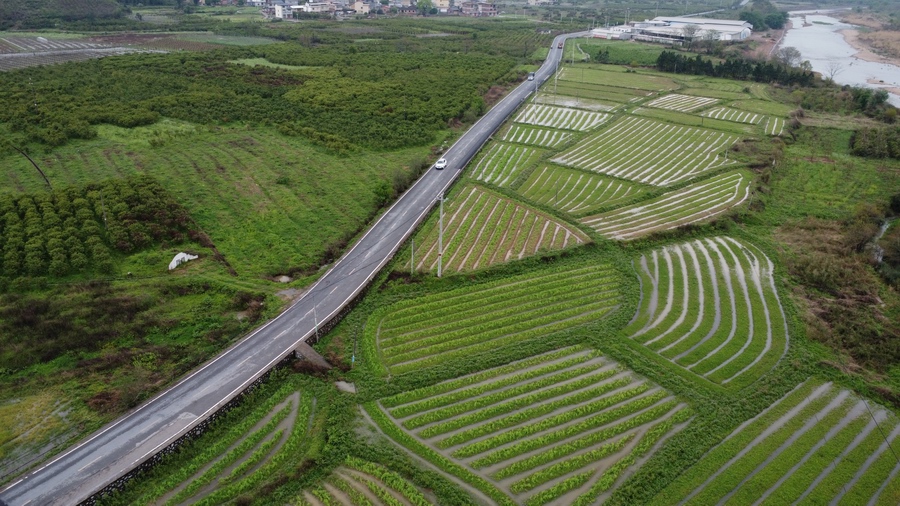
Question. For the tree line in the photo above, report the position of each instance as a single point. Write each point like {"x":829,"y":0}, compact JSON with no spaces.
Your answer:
{"x":735,"y":68}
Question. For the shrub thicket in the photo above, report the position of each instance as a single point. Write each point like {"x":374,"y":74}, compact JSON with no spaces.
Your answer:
{"x":77,"y":228}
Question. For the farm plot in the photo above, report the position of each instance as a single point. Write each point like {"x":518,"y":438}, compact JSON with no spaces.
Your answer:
{"x":432,"y":330}
{"x":774,"y":126}
{"x":559,"y":428}
{"x":575,"y":191}
{"x":617,"y":78}
{"x":682,"y":103}
{"x":560,"y":117}
{"x":359,"y":482}
{"x":598,"y":92}
{"x":711,"y":307}
{"x":577,"y":102}
{"x":699,"y":201}
{"x":502,"y":163}
{"x":537,"y":136}
{"x":736,"y":115}
{"x":241,"y":457}
{"x":482,"y":228}
{"x":820,"y":444}
{"x":651,"y":152}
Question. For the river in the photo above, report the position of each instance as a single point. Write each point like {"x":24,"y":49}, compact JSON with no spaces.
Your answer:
{"x":821,"y":43}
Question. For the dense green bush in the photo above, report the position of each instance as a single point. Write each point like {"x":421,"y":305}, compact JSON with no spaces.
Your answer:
{"x":59,"y":233}
{"x":876,"y":142}
{"x":373,"y":95}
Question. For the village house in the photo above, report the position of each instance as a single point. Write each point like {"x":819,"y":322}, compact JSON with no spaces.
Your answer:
{"x":478,"y":9}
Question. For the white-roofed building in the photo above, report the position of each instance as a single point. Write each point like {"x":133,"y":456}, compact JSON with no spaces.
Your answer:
{"x":672,"y":29}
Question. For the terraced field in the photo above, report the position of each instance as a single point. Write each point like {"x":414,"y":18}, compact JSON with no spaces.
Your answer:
{"x":560,"y":117}
{"x":482,"y":228}
{"x":736,"y":115}
{"x":611,"y":94}
{"x":615,"y":77}
{"x":240,"y":458}
{"x":558,"y":428}
{"x":545,"y":137}
{"x":362,"y":483}
{"x":575,"y":191}
{"x":699,"y":201}
{"x":650,"y":152}
{"x":577,"y":102}
{"x":502,"y":163}
{"x":711,"y":307}
{"x":774,"y":126}
{"x":820,"y":444}
{"x":682,"y":103}
{"x":432,"y":330}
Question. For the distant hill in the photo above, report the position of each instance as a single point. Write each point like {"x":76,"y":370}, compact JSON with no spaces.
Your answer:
{"x":23,"y":14}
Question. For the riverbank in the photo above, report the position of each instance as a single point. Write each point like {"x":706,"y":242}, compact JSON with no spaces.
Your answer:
{"x":864,"y":51}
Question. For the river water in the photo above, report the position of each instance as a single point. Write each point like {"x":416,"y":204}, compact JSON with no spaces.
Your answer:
{"x":820,"y":43}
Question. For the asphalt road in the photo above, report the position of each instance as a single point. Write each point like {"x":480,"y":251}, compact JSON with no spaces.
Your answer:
{"x":126,"y":443}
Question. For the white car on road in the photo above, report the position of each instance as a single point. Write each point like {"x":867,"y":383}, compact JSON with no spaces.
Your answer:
{"x":440,"y":164}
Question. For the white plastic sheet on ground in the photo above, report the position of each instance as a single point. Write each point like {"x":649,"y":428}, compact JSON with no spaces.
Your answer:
{"x":180,"y":259}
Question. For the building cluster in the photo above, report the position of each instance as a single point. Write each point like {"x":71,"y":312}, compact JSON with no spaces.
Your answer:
{"x":290,"y":9}
{"x":676,"y":30}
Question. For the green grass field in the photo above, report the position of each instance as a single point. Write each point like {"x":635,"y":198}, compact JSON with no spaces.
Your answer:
{"x":270,"y":203}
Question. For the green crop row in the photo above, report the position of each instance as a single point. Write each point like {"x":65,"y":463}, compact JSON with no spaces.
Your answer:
{"x":569,"y":465}
{"x":259,"y":454}
{"x":741,"y":437}
{"x":567,"y":432}
{"x":650,"y":438}
{"x":492,"y":411}
{"x":403,"y":438}
{"x":535,"y":326}
{"x":356,"y":497}
{"x":498,"y":286}
{"x":389,"y":478}
{"x":447,"y":386}
{"x":379,"y":491}
{"x":230,"y":456}
{"x":750,"y":456}
{"x":450,"y":398}
{"x":474,"y":304}
{"x":548,"y":423}
{"x":501,"y":318}
{"x":476,"y":344}
{"x":491,"y":399}
{"x":476,"y":310}
{"x":806,"y":461}
{"x":323,"y":495}
{"x":288,"y":451}
{"x":559,"y":489}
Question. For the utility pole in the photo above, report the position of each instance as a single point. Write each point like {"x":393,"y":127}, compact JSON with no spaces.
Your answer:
{"x":412,"y":257}
{"x":440,"y":233}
